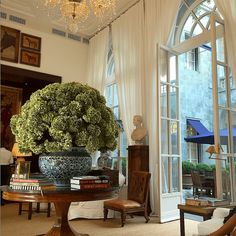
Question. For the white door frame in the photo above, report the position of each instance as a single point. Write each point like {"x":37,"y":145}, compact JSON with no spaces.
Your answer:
{"x":170,"y":195}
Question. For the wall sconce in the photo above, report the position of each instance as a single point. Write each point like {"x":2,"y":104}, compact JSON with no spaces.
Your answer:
{"x":215,"y":150}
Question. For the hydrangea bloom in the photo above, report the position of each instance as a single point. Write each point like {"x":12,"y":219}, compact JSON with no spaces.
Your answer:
{"x":61,"y":116}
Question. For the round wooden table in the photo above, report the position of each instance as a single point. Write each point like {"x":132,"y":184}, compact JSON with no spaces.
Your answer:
{"x":62,"y":198}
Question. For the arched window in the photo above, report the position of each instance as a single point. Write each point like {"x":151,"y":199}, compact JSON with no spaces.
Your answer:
{"x":111,"y":93}
{"x":193,"y":18}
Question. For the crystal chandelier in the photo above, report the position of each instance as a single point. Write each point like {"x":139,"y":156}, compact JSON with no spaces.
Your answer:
{"x":76,"y":12}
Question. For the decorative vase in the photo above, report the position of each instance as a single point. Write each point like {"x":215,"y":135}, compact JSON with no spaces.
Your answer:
{"x":60,"y":167}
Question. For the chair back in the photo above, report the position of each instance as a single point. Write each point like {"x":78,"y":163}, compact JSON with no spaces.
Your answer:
{"x":139,"y":186}
{"x":196,"y":178}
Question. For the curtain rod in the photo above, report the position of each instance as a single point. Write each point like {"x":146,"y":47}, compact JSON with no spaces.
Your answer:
{"x":114,"y":19}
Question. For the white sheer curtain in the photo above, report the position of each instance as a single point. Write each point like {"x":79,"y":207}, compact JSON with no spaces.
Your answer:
{"x":127,"y":39}
{"x":159,"y":21}
{"x":97,"y":60}
{"x":228,"y":10}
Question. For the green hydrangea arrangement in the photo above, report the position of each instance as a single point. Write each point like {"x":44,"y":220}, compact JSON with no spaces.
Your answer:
{"x":61,"y":116}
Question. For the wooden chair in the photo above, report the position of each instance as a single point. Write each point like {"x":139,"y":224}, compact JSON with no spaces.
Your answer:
{"x":30,"y":209}
{"x":137,"y":201}
{"x":200,"y":187}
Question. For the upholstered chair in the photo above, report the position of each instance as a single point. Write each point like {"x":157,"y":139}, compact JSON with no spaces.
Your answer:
{"x":137,"y":201}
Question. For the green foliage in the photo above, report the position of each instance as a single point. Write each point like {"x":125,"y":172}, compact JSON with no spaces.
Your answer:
{"x":61,"y":116}
{"x":187,"y":166}
{"x":124,"y":165}
{"x":202,"y":167}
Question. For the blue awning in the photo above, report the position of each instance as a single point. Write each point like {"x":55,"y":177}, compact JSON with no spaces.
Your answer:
{"x":198,"y":126}
{"x":209,"y":138}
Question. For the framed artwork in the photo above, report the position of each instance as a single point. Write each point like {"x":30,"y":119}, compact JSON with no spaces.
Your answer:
{"x":10,"y":105}
{"x":30,"y":42}
{"x":10,"y":39}
{"x":30,"y":58}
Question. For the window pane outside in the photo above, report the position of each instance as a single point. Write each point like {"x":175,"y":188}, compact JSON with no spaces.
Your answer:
{"x":165,"y":176}
{"x":121,"y":151}
{"x":222,"y":95}
{"x":175,"y":174}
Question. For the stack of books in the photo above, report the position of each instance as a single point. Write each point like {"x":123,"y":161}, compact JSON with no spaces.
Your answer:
{"x":34,"y":183}
{"x":90,"y":182}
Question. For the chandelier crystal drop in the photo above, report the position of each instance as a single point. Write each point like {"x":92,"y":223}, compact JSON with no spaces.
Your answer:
{"x":102,"y":8}
{"x":76,"y":12}
{"x":51,"y":3}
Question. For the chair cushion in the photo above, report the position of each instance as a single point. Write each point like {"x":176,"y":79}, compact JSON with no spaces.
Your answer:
{"x":121,"y":204}
{"x":220,"y":212}
{"x":209,"y":226}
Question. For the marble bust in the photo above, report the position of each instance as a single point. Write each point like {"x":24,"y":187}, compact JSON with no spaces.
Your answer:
{"x":139,"y":132}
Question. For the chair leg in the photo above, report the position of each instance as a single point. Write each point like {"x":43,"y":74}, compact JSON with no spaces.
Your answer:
{"x":146,"y":216}
{"x":20,"y":208}
{"x":30,"y":211}
{"x":105,"y":212}
{"x":49,"y":209}
{"x":123,"y":216}
{"x":38,"y":207}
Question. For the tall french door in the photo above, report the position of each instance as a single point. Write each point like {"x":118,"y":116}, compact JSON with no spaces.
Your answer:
{"x":224,"y":109}
{"x":169,"y":157}
{"x":224,"y":113}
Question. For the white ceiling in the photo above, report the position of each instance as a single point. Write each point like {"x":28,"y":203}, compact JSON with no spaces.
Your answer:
{"x":38,"y":17}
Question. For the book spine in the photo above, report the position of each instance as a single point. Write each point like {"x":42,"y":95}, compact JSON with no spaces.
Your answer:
{"x":89,"y":186}
{"x":32,"y":187}
{"x":30,"y":183}
{"x":25,"y":180}
{"x":88,"y":181}
{"x":25,"y":187}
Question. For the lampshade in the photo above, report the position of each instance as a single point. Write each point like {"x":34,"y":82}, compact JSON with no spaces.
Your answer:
{"x":16,"y":152}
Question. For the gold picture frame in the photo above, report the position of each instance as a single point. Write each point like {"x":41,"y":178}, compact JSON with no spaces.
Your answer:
{"x":10,"y":105}
{"x":10,"y":40}
{"x":31,"y":58}
{"x":30,"y":42}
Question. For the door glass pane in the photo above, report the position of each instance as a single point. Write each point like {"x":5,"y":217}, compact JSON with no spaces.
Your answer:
{"x":174,"y":137}
{"x":165,"y":176}
{"x":163,"y":100}
{"x":220,"y":49}
{"x":164,"y":137}
{"x":163,"y":65}
{"x":173,"y":102}
{"x":173,"y":72}
{"x":188,"y":25}
{"x":233,"y":90}
{"x":234,"y":130}
{"x":205,"y":20}
{"x":222,"y":96}
{"x":197,"y":30}
{"x":175,"y":174}
{"x":223,"y":126}
{"x":225,"y":180}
